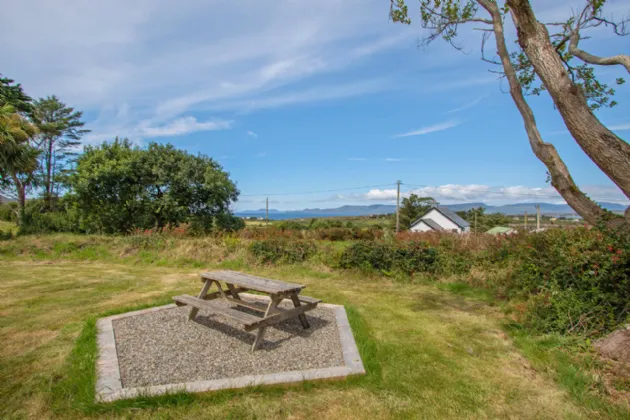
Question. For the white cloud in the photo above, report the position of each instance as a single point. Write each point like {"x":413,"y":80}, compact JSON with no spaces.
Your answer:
{"x":185,"y":125}
{"x":262,"y":154}
{"x":378,"y":194}
{"x":252,"y":134}
{"x":393,"y":159}
{"x":430,"y":129}
{"x":620,"y":127}
{"x":164,"y":60}
{"x":457,"y":193}
{"x":104,"y":129}
{"x":357,"y":159}
{"x":468,"y":105}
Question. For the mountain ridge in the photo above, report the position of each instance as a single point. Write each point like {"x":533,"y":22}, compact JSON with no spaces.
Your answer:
{"x":548,"y":209}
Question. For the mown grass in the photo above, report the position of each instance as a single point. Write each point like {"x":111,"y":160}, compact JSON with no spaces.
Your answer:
{"x":430,"y":352}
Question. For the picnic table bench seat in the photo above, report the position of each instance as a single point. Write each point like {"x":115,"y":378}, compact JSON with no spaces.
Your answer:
{"x":243,"y":318}
{"x":239,"y":282}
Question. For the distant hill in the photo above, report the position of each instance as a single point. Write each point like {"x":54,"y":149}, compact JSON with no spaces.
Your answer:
{"x":509,"y":209}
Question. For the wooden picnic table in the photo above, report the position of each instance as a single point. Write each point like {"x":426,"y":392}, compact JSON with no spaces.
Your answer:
{"x":239,"y":282}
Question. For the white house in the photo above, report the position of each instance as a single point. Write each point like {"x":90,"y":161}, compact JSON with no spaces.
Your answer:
{"x":440,"y":219}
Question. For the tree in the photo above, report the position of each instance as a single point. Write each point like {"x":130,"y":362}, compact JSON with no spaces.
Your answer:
{"x":61,"y":130}
{"x":482,"y":221}
{"x":413,"y":207}
{"x":18,"y":157}
{"x":119,"y":187}
{"x":575,"y":90}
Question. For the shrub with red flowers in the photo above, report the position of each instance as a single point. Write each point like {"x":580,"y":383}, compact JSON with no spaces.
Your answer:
{"x":579,"y":280}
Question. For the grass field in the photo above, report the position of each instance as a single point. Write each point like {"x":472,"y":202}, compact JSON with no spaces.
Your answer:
{"x":430,"y":352}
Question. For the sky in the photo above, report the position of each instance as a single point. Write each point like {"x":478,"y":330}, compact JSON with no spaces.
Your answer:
{"x":313,"y":104}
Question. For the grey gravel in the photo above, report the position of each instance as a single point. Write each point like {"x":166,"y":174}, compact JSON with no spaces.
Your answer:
{"x":163,"y":347}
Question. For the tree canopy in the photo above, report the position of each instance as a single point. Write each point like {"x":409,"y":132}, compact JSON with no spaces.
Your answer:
{"x":119,"y":187}
{"x":61,"y":130}
{"x":413,"y":207}
{"x":18,"y":157}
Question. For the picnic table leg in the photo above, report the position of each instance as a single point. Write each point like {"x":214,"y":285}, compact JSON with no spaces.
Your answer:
{"x":296,"y":303}
{"x":202,"y":294}
{"x":233,"y":292}
{"x":273,"y":304}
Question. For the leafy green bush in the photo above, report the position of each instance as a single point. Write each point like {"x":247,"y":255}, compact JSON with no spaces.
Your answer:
{"x":282,"y":250}
{"x":5,"y":235}
{"x":38,"y":218}
{"x":8,"y":212}
{"x":579,"y":279}
{"x":407,"y":257}
{"x":226,"y":222}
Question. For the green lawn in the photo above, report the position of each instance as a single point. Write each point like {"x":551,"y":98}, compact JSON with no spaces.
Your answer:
{"x":430,"y":352}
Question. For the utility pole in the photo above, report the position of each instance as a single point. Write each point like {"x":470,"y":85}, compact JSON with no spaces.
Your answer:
{"x":398,"y":207}
{"x":537,"y":216}
{"x":525,"y":220}
{"x":267,"y":212}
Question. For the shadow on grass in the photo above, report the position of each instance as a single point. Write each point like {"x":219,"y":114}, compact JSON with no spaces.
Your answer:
{"x":73,"y":388}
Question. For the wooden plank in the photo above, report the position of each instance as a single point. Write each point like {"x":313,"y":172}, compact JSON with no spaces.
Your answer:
{"x":271,"y":308}
{"x":279,"y":317}
{"x":238,"y":316}
{"x":251,"y":305}
{"x":297,"y":304}
{"x":260,"y":284}
{"x":217,"y":294}
{"x":202,"y":294}
{"x":307,"y":299}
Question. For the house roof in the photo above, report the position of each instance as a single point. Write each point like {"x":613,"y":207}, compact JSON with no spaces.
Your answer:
{"x":446,"y":212}
{"x":453,"y":216}
{"x":432,"y":224}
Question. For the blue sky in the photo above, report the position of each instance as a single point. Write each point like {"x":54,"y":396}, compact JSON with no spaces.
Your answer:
{"x":302,"y":96}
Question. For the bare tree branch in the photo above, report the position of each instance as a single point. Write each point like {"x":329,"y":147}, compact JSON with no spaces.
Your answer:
{"x":615,"y":60}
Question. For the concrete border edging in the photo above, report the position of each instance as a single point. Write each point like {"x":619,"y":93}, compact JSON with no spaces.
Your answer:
{"x":109,"y":384}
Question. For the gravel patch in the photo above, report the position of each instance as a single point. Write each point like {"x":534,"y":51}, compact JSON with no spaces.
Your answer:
{"x":163,"y":347}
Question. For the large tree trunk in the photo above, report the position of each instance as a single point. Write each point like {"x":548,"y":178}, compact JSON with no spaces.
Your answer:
{"x":609,"y":152}
{"x":546,"y":152}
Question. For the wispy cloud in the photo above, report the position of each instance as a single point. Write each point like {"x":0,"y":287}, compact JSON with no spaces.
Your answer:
{"x":262,"y":154}
{"x":468,"y":105}
{"x":357,"y":159}
{"x":185,"y":125}
{"x":310,"y":95}
{"x":620,"y":127}
{"x":393,"y":159}
{"x":252,"y":134}
{"x":430,"y":129}
{"x":614,"y":127}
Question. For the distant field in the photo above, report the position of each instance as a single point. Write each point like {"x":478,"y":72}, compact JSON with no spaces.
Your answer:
{"x":356,"y":221}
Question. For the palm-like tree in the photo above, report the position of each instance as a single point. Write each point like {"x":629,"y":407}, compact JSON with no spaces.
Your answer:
{"x":18,"y":158}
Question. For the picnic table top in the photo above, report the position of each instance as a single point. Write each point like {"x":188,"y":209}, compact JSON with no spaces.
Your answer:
{"x":259,"y":284}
